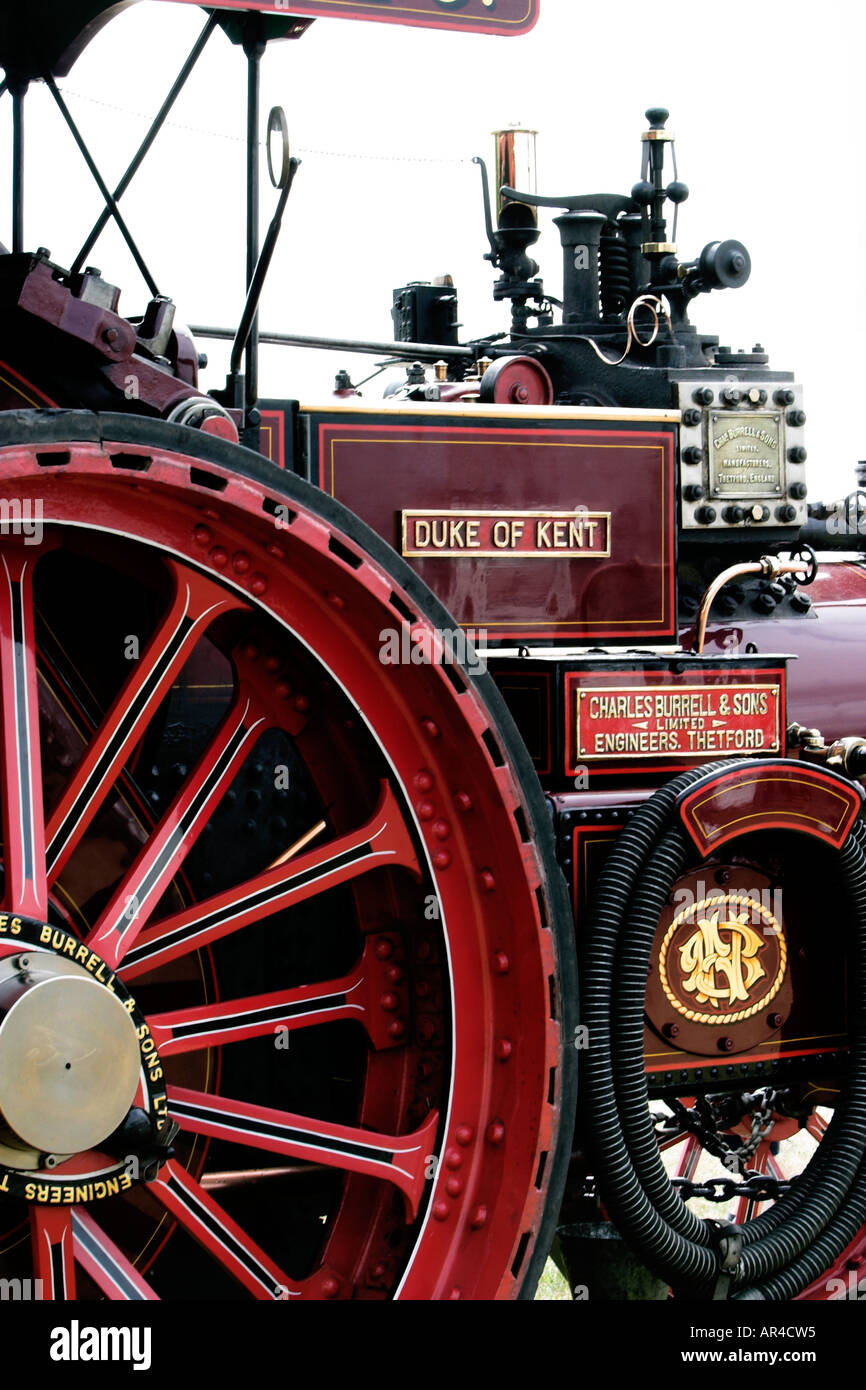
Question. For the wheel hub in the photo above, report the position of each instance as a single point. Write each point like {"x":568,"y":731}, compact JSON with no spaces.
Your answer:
{"x":69,"y":1056}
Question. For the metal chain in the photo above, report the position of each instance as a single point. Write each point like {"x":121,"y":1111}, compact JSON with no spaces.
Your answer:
{"x":756,"y":1187}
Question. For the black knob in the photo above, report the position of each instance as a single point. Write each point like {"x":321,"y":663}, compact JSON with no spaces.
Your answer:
{"x":726,"y":605}
{"x":642,"y":192}
{"x":786,"y":513}
{"x":657,"y":115}
{"x":731,"y":396}
{"x":800,"y":602}
{"x":784,"y":396}
{"x":677,"y":191}
{"x":704,"y":395}
{"x":796,"y":417}
{"x":797,"y":491}
{"x":691,"y":417}
{"x":733,"y":515}
{"x":777,"y":590}
{"x":764,"y":603}
{"x":693,"y":492}
{"x":756,"y":396}
{"x":705,"y":515}
{"x":692,"y":454}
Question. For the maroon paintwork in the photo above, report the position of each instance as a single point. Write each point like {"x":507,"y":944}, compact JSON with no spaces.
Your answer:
{"x":382,"y":468}
{"x":478,"y":16}
{"x":770,"y":795}
{"x":826,"y":685}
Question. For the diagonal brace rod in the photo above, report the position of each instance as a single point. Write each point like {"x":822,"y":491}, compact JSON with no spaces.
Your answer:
{"x":102,"y":186}
{"x":144,"y":148}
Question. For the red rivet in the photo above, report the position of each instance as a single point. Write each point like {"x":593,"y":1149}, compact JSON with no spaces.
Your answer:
{"x":441,"y":829}
{"x":283,"y":689}
{"x":453,"y":1158}
{"x":454,"y":1186}
{"x":441,"y":1211}
{"x":379,"y":1271}
{"x":455,"y":1295}
{"x":423,"y":780}
{"x":426,"y":810}
{"x":487,"y":881}
{"x":240,"y":562}
{"x":426,"y":1029}
{"x":464,"y":1134}
{"x":394,"y":974}
{"x":422,"y":989}
{"x":495,"y":1132}
{"x":501,"y":963}
{"x":302,"y":703}
{"x":463,"y":801}
{"x":396,"y":1029}
{"x":273,"y":663}
{"x":442,"y":858}
{"x":251,"y":652}
{"x":424,"y":950}
{"x":425,"y":1069}
{"x":330,"y":1287}
{"x":384,"y":948}
{"x":503,"y":1049}
{"x":259,"y":584}
{"x":336,"y":601}
{"x":431,"y":726}
{"x":219,"y":557}
{"x":389,"y":1002}
{"x":277,"y":551}
{"x":478,"y":1218}
{"x":202,"y":535}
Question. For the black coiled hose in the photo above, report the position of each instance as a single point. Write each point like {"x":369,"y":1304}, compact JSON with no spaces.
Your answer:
{"x":786,"y":1247}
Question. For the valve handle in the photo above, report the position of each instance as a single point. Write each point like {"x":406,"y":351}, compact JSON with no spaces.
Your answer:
{"x":609,"y":204}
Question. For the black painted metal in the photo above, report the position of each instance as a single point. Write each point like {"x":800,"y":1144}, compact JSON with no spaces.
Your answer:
{"x":142,"y":151}
{"x":18,"y":92}
{"x":102,"y":186}
{"x":254,"y":47}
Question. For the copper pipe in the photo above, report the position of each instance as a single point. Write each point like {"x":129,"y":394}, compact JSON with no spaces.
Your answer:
{"x":298,"y":846}
{"x":768,"y":565}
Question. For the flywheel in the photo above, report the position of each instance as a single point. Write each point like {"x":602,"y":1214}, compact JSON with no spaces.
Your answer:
{"x":287,"y":986}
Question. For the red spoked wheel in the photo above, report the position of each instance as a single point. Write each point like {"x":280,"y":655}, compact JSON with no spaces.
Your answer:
{"x":286,"y":967}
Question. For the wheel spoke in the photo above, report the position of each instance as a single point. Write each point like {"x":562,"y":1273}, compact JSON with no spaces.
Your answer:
{"x":816,"y":1125}
{"x":196,"y":603}
{"x":52,"y":1239}
{"x":142,"y":887}
{"x":401,"y":1160}
{"x":26,"y":888}
{"x":233,"y":1020}
{"x":106,"y":1264}
{"x":219,"y":1234}
{"x":384,"y":840}
{"x":690,"y":1158}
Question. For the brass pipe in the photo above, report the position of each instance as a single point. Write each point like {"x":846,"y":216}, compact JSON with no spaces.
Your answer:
{"x":768,"y":566}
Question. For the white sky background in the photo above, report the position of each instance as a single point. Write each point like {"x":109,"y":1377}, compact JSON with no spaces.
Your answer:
{"x":765,"y":101}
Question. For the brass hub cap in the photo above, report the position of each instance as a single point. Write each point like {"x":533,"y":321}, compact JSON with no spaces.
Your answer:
{"x":76,"y":1057}
{"x":69,"y":1056}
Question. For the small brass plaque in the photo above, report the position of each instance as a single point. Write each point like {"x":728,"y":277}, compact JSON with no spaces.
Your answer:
{"x":746,"y":455}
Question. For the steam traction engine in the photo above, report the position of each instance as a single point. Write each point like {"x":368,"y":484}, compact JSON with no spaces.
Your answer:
{"x":296,"y":877}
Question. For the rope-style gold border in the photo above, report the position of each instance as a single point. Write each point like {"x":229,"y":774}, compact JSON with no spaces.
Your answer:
{"x":724,"y":898}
